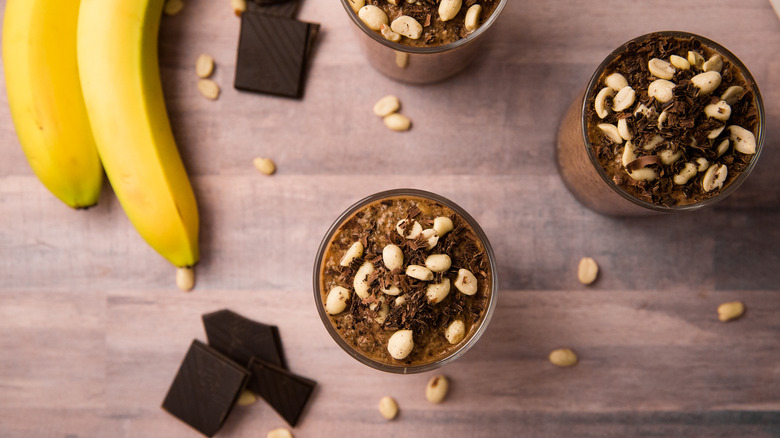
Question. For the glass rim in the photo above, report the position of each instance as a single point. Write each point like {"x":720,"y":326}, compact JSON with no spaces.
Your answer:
{"x":735,"y":184}
{"x":423,"y":50}
{"x":349,"y":349}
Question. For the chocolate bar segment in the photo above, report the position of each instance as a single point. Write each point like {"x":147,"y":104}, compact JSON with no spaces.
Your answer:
{"x":272,"y":54}
{"x":283,"y":9}
{"x":205,"y":389}
{"x":286,"y":392}
{"x":240,"y":338}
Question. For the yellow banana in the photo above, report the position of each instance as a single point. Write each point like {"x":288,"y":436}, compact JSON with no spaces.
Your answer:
{"x":120,"y":78}
{"x":44,"y":94}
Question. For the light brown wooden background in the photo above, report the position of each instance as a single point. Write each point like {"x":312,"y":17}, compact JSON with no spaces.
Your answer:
{"x":92,"y":328}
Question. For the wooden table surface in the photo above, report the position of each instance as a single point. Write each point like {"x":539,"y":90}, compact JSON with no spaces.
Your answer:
{"x":92,"y":327}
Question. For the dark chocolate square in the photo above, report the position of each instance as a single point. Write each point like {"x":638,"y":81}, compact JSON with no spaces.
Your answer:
{"x":205,"y":389}
{"x":240,"y":338}
{"x":286,"y":392}
{"x":283,"y":9}
{"x":272,"y":54}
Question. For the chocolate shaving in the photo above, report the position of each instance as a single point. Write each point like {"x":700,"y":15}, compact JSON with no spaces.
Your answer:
{"x":643,"y":162}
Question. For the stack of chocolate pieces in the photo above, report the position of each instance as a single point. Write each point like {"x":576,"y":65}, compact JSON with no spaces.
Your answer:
{"x":241,"y":353}
{"x":273,"y":48}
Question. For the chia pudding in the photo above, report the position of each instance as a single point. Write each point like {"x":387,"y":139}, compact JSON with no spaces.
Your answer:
{"x":405,"y":281}
{"x":670,"y":119}
{"x":424,"y":23}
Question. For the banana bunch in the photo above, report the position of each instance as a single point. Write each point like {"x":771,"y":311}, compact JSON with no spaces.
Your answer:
{"x":83,"y":81}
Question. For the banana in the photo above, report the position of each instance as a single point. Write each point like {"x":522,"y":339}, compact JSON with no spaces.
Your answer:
{"x":44,"y":95}
{"x":120,"y":78}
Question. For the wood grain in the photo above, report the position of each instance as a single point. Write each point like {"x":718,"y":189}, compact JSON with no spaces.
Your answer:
{"x":92,"y":328}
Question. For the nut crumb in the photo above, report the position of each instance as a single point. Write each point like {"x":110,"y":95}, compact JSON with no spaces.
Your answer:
{"x":204,"y":66}
{"x":209,"y":89}
{"x":247,"y":397}
{"x":265,"y":165}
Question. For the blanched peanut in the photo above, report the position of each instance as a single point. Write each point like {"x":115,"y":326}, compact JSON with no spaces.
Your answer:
{"x":669,"y":157}
{"x":204,"y":66}
{"x":392,"y":256}
{"x":436,"y":389}
{"x":695,"y":59}
{"x":360,"y":282}
{"x":661,"y":90}
{"x":185,"y":278}
{"x":392,"y":290}
{"x":402,"y":227}
{"x":731,"y":311}
{"x":643,"y":174}
{"x":716,"y":132}
{"x":400,"y":344}
{"x":715,"y":63}
{"x":373,"y":17}
{"x":611,"y":131}
{"x":616,"y":82}
{"x":438,"y":262}
{"x":744,"y":140}
{"x":472,"y":18}
{"x":448,"y":9}
{"x":661,"y":69}
{"x":407,"y":26}
{"x":279,"y":432}
{"x":623,"y":99}
{"x":436,"y":293}
{"x":266,"y":166}
{"x":389,"y":34}
{"x":685,"y":174}
{"x":714,"y":177}
{"x":629,"y":153}
{"x":419,"y":272}
{"x":337,"y":299}
{"x":718,"y":111}
{"x":388,"y":408}
{"x":680,"y":62}
{"x":732,"y":94}
{"x":703,"y":164}
{"x":466,"y":282}
{"x":209,"y":89}
{"x":722,"y":147}
{"x":600,"y":103}
{"x":397,"y":122}
{"x":622,"y":126}
{"x":563,"y":357}
{"x":431,"y":236}
{"x":386,"y":106}
{"x":384,"y":310}
{"x":442,"y":225}
{"x":455,"y":332}
{"x":246,"y":398}
{"x":587,"y":270}
{"x":354,"y":252}
{"x":356,"y":4}
{"x":706,"y":82}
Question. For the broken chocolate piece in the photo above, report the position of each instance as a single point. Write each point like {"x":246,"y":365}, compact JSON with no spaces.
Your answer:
{"x":286,"y":392}
{"x":205,"y":388}
{"x":273,"y":53}
{"x":287,"y":8}
{"x":240,"y":338}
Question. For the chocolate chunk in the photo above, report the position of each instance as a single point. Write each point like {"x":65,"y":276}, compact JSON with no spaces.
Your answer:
{"x":283,"y":9}
{"x":286,"y":392}
{"x":240,"y":338}
{"x":273,"y":53}
{"x":205,"y":388}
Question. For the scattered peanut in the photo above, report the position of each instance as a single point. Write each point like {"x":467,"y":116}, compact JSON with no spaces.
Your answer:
{"x":563,"y":357}
{"x":718,"y":111}
{"x":419,"y":272}
{"x":442,"y":225}
{"x":661,"y":69}
{"x":685,"y":174}
{"x":437,"y":292}
{"x":436,"y":389}
{"x":455,"y":332}
{"x":337,"y":299}
{"x":173,"y":7}
{"x":239,"y":6}
{"x":706,"y":82}
{"x":472,"y":18}
{"x":616,"y":82}
{"x":356,"y":4}
{"x":602,"y":110}
{"x":587,"y":270}
{"x":389,"y":34}
{"x":392,"y":256}
{"x":354,"y":252}
{"x":360,"y":283}
{"x":431,"y":236}
{"x":373,"y":17}
{"x":246,"y":398}
{"x":714,"y":177}
{"x":695,"y":59}
{"x":407,"y":26}
{"x":388,"y":408}
{"x":611,"y":131}
{"x":185,"y":278}
{"x":448,"y":9}
{"x":732,"y":94}
{"x":398,"y":122}
{"x":680,"y":62}
{"x":623,"y":99}
{"x":402,"y":228}
{"x":731,"y":311}
{"x":438,"y":262}
{"x":266,"y":166}
{"x":279,"y":432}
{"x":744,"y":140}
{"x":204,"y":66}
{"x":209,"y":89}
{"x":661,"y":90}
{"x":715,"y":63}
